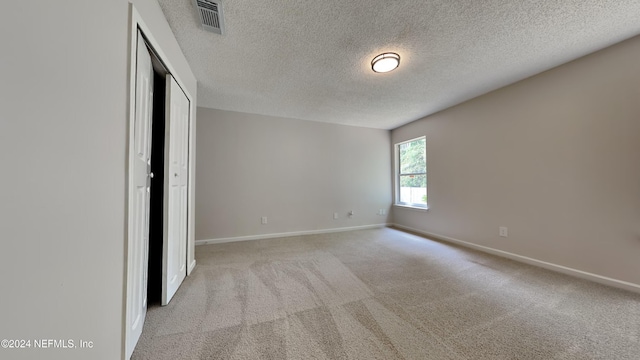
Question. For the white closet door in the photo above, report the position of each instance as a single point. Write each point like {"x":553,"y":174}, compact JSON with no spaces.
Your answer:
{"x":174,"y":266}
{"x":139,"y":193}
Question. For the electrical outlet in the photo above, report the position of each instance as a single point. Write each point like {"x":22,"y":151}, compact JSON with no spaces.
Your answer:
{"x":335,"y":215}
{"x":382,"y":212}
{"x":264,"y":220}
{"x":502,"y":231}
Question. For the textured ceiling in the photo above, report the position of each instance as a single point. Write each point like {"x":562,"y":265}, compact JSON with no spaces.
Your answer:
{"x":310,"y":59}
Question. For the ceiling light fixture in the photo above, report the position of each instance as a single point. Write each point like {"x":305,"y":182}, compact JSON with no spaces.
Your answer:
{"x":385,"y":62}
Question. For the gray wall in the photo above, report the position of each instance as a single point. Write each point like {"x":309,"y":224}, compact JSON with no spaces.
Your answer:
{"x":555,"y":158}
{"x":63,"y":148}
{"x":297,"y":173}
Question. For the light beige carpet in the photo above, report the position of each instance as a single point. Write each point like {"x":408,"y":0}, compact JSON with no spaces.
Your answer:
{"x":384,"y":294}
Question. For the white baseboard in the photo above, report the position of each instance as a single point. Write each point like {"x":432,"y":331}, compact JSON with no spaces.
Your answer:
{"x":527,"y":260}
{"x":287,"y":234}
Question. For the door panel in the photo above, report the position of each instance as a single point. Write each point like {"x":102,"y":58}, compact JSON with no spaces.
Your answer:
{"x":140,"y":159}
{"x":176,"y":167}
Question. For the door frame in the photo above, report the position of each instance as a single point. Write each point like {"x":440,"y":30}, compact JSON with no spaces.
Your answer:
{"x":137,"y":23}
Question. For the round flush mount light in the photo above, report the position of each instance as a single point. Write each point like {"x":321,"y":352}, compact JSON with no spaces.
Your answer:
{"x":385,"y":62}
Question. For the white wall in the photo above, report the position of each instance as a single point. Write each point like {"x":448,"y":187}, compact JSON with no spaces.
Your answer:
{"x":297,"y":173}
{"x":555,"y":158}
{"x":63,"y":136}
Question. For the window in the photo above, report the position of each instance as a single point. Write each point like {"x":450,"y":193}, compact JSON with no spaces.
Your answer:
{"x":411,"y":173}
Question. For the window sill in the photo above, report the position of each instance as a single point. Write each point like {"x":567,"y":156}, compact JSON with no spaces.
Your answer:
{"x":424,"y":209}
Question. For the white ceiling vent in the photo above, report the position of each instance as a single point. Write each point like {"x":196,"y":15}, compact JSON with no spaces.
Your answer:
{"x":210,"y":14}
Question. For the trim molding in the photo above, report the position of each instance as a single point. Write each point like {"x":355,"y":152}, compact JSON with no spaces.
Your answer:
{"x":191,"y":267}
{"x":287,"y":234}
{"x":531,"y":261}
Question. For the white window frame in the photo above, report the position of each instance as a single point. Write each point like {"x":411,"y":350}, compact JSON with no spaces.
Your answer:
{"x":396,"y":175}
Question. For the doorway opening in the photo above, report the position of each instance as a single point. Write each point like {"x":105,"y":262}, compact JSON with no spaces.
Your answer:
{"x":166,"y":253}
{"x":156,"y":209}
{"x":159,"y":231}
